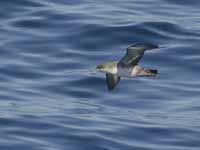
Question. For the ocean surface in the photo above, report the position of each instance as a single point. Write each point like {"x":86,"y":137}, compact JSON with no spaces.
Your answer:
{"x":51,"y":97}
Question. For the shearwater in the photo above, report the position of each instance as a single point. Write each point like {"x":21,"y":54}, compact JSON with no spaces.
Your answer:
{"x":128,"y":65}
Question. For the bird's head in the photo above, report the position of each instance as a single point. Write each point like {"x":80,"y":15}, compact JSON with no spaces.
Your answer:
{"x":109,"y":67}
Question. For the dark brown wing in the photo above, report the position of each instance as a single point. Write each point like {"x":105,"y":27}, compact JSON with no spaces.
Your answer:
{"x":112,"y":80}
{"x":135,"y":52}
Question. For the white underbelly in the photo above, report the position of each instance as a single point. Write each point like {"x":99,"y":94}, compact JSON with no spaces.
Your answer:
{"x":126,"y":72}
{"x":129,"y":71}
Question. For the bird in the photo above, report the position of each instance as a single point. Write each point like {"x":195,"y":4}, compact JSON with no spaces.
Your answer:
{"x":128,"y":65}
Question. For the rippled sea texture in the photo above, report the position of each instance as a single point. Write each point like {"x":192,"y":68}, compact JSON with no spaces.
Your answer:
{"x":51,"y":98}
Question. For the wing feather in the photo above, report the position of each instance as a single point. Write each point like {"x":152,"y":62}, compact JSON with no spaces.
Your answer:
{"x":112,"y":80}
{"x":135,"y":52}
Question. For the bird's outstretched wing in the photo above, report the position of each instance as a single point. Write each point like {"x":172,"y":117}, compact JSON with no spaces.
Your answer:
{"x":135,"y":52}
{"x":112,"y":80}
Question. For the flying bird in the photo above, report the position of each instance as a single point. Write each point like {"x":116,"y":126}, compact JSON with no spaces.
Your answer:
{"x":128,"y":65}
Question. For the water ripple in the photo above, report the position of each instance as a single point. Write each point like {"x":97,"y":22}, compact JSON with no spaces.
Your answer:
{"x":53,"y":98}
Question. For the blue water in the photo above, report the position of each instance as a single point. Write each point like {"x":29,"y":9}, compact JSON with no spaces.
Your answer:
{"x":51,"y":98}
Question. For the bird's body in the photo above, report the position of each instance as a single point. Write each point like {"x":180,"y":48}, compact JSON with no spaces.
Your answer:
{"x":124,"y":71}
{"x":127,"y":66}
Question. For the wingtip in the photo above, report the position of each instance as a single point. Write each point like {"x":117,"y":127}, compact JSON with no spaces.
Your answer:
{"x":145,"y":45}
{"x":110,"y":88}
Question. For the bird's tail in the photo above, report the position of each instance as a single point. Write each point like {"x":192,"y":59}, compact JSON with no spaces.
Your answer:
{"x":149,"y":72}
{"x":153,"y":71}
